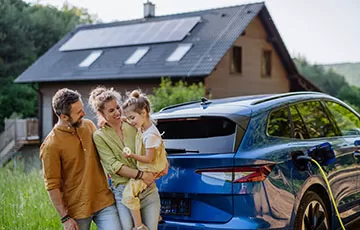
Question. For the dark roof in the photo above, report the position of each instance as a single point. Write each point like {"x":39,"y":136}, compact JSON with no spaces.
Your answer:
{"x":211,"y":39}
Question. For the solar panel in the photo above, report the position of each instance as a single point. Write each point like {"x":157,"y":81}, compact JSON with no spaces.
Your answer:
{"x":141,"y":33}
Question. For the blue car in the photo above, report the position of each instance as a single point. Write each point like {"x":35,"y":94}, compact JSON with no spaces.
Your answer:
{"x":234,"y":163}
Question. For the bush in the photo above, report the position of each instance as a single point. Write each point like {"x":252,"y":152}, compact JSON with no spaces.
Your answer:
{"x":170,"y":94}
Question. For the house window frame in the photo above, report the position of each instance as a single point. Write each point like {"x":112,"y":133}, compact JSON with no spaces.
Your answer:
{"x":266,"y":71}
{"x":90,"y":58}
{"x":233,"y":69}
{"x":137,"y":55}
{"x":180,"y":52}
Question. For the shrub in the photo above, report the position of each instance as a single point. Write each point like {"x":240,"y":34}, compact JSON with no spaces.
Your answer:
{"x":169,"y":93}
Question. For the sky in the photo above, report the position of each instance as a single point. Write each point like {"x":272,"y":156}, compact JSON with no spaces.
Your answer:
{"x":322,"y":31}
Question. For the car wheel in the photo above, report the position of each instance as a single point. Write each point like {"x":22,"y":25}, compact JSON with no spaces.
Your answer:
{"x":312,"y":213}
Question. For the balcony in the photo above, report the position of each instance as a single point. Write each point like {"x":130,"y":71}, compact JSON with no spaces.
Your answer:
{"x":17,"y":133}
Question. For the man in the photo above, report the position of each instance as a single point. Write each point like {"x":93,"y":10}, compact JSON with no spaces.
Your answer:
{"x":73,"y":174}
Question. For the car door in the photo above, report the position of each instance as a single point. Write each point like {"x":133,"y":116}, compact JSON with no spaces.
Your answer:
{"x":320,"y":128}
{"x":348,"y":123}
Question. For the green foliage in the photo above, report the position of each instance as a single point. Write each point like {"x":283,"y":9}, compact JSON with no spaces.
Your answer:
{"x":169,"y":94}
{"x":345,"y":119}
{"x":330,"y":82}
{"x":351,"y":71}
{"x":27,"y":32}
{"x":50,"y":24}
{"x":16,"y":51}
{"x":19,"y":99}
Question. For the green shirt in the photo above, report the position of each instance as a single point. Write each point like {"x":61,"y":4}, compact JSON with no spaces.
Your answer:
{"x":110,"y":150}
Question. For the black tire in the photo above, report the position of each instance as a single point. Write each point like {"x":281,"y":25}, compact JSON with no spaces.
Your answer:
{"x":312,"y":213}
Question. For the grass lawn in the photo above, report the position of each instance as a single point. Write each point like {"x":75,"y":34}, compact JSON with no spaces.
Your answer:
{"x":24,"y":202}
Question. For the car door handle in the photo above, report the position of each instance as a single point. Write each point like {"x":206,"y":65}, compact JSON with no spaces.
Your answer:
{"x":356,"y":154}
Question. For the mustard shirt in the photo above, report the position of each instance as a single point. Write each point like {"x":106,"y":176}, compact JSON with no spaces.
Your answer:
{"x":110,"y":150}
{"x":71,"y":164}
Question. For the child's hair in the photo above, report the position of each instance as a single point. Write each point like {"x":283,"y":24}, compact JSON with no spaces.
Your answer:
{"x":137,"y":102}
{"x":100,"y":96}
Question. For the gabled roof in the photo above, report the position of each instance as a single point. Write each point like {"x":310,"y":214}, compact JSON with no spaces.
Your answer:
{"x":211,"y":38}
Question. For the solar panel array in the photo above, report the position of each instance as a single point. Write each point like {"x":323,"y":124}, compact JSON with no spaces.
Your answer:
{"x":141,"y":33}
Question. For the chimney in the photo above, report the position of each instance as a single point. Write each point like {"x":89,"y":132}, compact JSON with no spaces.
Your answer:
{"x":149,"y":9}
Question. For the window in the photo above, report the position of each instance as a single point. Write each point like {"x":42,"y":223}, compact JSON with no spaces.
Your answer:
{"x":347,"y":121}
{"x":300,"y":131}
{"x":91,"y":58}
{"x":316,"y":120}
{"x":179,"y":52}
{"x":199,"y":134}
{"x":266,"y":64}
{"x":137,"y":55}
{"x":279,"y":125}
{"x":236,"y":62}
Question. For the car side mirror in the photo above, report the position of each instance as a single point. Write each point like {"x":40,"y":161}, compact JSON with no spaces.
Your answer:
{"x":324,"y":153}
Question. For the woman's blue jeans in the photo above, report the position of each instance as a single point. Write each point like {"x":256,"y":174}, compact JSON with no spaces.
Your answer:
{"x":105,"y":219}
{"x":149,"y":206}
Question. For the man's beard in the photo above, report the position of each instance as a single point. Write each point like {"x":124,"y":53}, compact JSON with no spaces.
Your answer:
{"x":77,"y":123}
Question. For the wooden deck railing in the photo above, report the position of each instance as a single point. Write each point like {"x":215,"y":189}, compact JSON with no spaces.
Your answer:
{"x":17,"y":132}
{"x":25,"y":129}
{"x":7,"y":136}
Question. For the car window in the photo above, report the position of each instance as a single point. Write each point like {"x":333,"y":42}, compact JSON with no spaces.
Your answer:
{"x":347,"y":121}
{"x":279,"y":125}
{"x":316,"y":120}
{"x":300,"y":131}
{"x":198,"y":135}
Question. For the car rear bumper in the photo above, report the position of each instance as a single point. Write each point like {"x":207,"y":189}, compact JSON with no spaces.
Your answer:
{"x":234,"y":223}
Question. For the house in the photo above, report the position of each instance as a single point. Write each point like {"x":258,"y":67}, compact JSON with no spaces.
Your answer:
{"x":233,"y":51}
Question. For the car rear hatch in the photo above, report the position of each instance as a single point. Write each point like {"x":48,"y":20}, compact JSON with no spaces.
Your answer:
{"x":201,"y":149}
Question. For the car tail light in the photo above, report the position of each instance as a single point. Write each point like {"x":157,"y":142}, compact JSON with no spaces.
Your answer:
{"x":238,"y":174}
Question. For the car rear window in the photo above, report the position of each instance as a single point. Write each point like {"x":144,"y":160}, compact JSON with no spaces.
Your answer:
{"x":198,"y":135}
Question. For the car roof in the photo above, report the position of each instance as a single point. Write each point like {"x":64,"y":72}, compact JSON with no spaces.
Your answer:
{"x":242,"y":105}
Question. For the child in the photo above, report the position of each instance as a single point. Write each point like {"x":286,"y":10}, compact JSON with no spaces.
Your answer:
{"x":150,"y":152}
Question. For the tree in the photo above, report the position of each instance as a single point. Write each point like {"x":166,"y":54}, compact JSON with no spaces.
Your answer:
{"x":351,"y":95}
{"x":169,"y":94}
{"x":49,"y":24}
{"x":27,"y":32}
{"x":16,"y":53}
{"x":330,"y":82}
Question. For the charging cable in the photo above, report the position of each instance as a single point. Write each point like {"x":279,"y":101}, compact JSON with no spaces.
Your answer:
{"x":328,"y":186}
{"x":331,"y":194}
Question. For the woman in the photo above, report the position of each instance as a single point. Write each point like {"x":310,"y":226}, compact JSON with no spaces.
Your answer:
{"x":110,"y":141}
